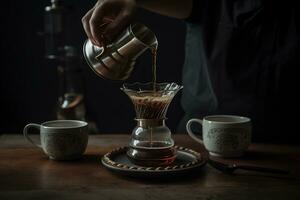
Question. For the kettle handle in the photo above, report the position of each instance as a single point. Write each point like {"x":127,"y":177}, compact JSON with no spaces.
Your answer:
{"x":103,"y":45}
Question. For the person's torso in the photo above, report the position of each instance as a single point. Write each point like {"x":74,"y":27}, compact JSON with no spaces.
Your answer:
{"x":249,"y":50}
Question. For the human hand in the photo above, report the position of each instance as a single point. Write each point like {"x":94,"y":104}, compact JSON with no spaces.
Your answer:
{"x":107,"y":18}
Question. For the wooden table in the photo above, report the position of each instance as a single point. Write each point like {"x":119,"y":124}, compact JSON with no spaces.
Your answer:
{"x":26,"y":173}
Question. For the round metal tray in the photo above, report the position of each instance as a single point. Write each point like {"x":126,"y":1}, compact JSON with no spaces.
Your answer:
{"x":187,"y":161}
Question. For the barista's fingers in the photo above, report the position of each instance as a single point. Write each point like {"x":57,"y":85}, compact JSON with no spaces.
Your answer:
{"x":86,"y":24}
{"x":96,"y":22}
{"x":118,"y":24}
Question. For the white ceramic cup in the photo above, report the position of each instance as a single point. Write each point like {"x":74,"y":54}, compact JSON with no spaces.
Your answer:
{"x":61,"y":139}
{"x":223,"y":135}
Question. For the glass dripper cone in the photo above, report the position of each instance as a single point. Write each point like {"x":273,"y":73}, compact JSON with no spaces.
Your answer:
{"x":151,"y":102}
{"x":151,"y":143}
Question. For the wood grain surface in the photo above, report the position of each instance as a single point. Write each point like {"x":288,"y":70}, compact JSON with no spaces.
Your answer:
{"x":27,"y":173}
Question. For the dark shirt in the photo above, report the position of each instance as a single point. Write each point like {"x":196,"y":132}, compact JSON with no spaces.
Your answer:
{"x":241,"y":59}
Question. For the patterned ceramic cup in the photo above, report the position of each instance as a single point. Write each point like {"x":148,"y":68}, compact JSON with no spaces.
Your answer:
{"x":223,"y":135}
{"x":61,"y":139}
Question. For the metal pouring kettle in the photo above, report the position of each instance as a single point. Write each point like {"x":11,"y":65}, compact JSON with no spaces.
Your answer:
{"x":115,"y":61}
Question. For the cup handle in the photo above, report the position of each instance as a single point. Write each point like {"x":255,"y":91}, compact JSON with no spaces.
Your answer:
{"x":190,"y":132}
{"x":25,"y":132}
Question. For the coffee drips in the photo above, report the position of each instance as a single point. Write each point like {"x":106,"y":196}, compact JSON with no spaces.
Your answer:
{"x":154,"y":61}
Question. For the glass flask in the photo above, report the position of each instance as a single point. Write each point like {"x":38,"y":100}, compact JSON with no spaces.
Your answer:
{"x":151,"y":143}
{"x":71,"y":99}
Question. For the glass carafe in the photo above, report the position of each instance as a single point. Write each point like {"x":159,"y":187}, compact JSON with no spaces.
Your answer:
{"x":151,"y":143}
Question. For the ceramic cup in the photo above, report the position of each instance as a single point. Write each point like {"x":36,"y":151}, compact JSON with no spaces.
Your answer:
{"x":61,"y":139}
{"x":223,"y":135}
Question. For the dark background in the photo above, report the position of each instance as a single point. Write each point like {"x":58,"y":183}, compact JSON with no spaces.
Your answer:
{"x":29,"y":81}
